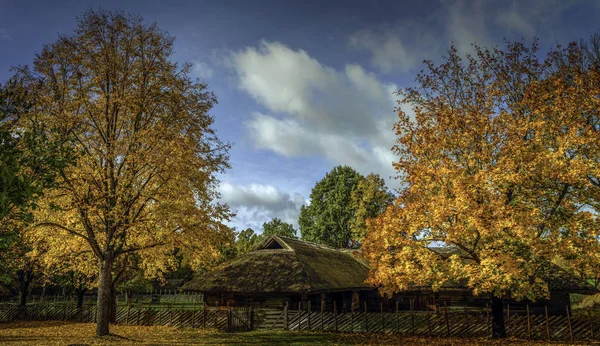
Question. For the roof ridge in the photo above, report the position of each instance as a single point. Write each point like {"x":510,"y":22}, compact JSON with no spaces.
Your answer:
{"x":327,"y":247}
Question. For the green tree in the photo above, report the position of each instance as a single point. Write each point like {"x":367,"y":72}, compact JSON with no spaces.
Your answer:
{"x":328,"y":217}
{"x":246,"y":240}
{"x":29,"y":160}
{"x":29,"y":163}
{"x":278,"y":227}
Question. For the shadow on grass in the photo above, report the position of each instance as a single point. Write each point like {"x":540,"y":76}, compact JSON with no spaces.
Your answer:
{"x":276,"y":338}
{"x":33,"y":324}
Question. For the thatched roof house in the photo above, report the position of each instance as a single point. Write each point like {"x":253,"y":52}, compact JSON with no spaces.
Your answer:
{"x":282,"y":269}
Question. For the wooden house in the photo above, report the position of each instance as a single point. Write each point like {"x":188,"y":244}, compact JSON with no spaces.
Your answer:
{"x":281,"y":271}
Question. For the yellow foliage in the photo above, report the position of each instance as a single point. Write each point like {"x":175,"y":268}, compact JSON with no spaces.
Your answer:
{"x":500,"y":170}
{"x":144,"y":181}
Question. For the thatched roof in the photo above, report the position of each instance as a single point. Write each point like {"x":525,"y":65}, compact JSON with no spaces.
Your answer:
{"x":285,"y":265}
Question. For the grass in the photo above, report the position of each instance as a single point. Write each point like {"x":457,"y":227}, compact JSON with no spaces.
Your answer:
{"x":65,"y":333}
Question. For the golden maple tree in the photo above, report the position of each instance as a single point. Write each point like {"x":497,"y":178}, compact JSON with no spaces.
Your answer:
{"x":499,"y":161}
{"x":144,"y":181}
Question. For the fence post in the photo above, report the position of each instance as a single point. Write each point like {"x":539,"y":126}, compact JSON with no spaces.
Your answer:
{"x":489,"y":321}
{"x":193,"y":312}
{"x":467,"y":320}
{"x":139,"y":311}
{"x":309,"y":311}
{"x":251,"y":318}
{"x":429,"y":314}
{"x":335,"y":315}
{"x":300,"y":316}
{"x":446,"y":317}
{"x":366,"y":318}
{"x":528,"y":324}
{"x":412,"y":316}
{"x":322,"y":313}
{"x":352,"y":317}
{"x":128,"y":308}
{"x":397,"y":319}
{"x":171,"y":315}
{"x":204,"y":315}
{"x":181,"y":316}
{"x":507,"y":318}
{"x":547,"y":324}
{"x":382,"y":318}
{"x":589,"y":313}
{"x":570,"y":327}
{"x":285,"y":316}
{"x":229,"y":320}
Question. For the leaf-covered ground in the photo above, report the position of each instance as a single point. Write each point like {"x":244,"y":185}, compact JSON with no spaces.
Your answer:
{"x":79,"y":334}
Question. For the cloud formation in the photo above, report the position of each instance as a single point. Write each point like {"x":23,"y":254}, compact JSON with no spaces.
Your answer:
{"x":258,"y":203}
{"x":314,"y":110}
{"x":202,"y":70}
{"x":402,"y":46}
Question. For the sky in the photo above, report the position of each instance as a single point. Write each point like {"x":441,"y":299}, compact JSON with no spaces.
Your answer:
{"x":303,"y":86}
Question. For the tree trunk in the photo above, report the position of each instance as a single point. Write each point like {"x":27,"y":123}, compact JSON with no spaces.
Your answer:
{"x":498,"y":328}
{"x":80,"y":291}
{"x":43,"y":295}
{"x":113,"y":303}
{"x":25,"y":276}
{"x":104,"y":296}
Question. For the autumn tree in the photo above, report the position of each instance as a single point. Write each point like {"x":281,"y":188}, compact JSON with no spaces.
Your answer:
{"x":339,"y":205}
{"x":278,"y":227}
{"x":369,"y":199}
{"x":144,"y":183}
{"x":499,"y":160}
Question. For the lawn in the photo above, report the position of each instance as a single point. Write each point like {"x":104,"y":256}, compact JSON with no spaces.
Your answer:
{"x":66,"y":333}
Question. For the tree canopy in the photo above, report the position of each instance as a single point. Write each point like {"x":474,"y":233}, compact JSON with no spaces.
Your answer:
{"x":29,"y":163}
{"x":369,"y":199}
{"x":145,"y":178}
{"x":339,"y":205}
{"x":246,"y":240}
{"x":29,"y":159}
{"x":499,"y":158}
{"x":278,"y":227}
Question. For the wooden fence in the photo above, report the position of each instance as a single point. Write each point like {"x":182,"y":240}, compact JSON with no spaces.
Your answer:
{"x":442,"y":323}
{"x":233,"y":319}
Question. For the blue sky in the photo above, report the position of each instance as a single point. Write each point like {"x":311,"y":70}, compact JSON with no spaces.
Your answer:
{"x":305,"y":85}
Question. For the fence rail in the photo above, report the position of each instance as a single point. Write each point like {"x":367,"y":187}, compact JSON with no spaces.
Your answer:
{"x":222,"y":319}
{"x":442,"y":323}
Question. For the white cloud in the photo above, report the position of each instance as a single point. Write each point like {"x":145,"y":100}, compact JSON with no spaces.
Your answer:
{"x":514,"y":20}
{"x":281,"y":79}
{"x":315,"y":110}
{"x":391,"y":49}
{"x":367,"y":83}
{"x":257,"y":203}
{"x":202,"y":70}
{"x":4,"y":35}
